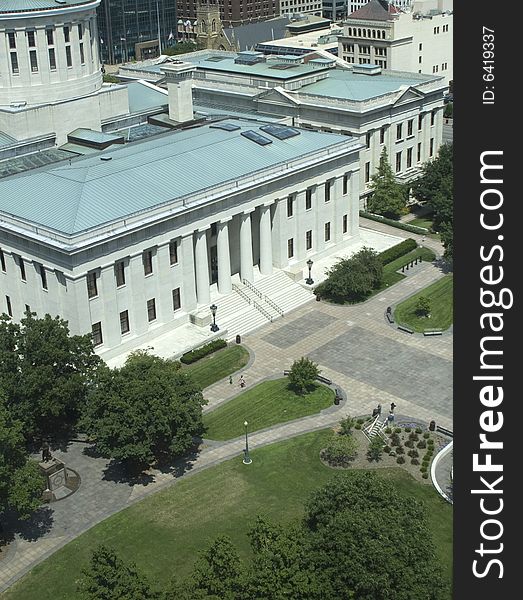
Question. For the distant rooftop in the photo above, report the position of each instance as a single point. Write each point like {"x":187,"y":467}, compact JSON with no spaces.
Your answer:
{"x":90,"y":192}
{"x":12,"y":6}
{"x":250,"y":34}
{"x":375,"y":10}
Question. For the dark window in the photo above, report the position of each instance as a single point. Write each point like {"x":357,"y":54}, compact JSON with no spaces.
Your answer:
{"x":409,"y":157}
{"x":80,"y":31}
{"x":50,"y":37}
{"x":420,"y":122}
{"x":308,"y":239}
{"x":431,"y":152}
{"x":22,"y":267}
{"x":367,"y":172}
{"x":119,"y":273}
{"x":52,"y":59}
{"x":345,"y":223}
{"x":66,"y":35}
{"x":151,"y":310}
{"x":124,"y":322}
{"x":27,"y":308}
{"x":147,"y":259}
{"x":92,"y":287}
{"x":290,"y":206}
{"x":173,"y":252}
{"x":68,"y":56}
{"x":214,"y":229}
{"x":96,"y":334}
{"x":31,"y":41}
{"x":290,"y":248}
{"x":14,"y":62}
{"x":43,"y":276}
{"x":432,"y":118}
{"x":399,"y":131}
{"x":382,"y":135}
{"x":9,"y":307}
{"x":177,"y":299}
{"x":345,"y":184}
{"x":398,"y":162}
{"x":2,"y":260}
{"x":12,"y":39}
{"x":33,"y":60}
{"x":410,"y":124}
{"x":308,"y":199}
{"x":327,"y":232}
{"x":367,"y":139}
{"x":419,"y":152}
{"x":82,"y":56}
{"x":328,"y":185}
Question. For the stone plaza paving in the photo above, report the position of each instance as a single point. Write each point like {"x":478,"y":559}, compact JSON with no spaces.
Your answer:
{"x":355,"y":347}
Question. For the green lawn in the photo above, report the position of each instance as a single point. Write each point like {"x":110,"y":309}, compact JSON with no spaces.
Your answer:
{"x":164,"y":532}
{"x":440,"y":295}
{"x":220,"y":364}
{"x":421,"y":222}
{"x":266,"y":404}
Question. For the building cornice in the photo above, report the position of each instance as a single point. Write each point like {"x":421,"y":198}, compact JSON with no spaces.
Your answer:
{"x":47,"y":12}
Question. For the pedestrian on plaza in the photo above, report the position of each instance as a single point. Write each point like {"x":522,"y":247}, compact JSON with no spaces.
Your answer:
{"x":230,"y":379}
{"x":390,"y":418}
{"x":392,"y":407}
{"x":242,"y":381}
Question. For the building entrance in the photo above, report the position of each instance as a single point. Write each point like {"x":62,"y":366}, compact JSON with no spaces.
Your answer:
{"x":214,"y":264}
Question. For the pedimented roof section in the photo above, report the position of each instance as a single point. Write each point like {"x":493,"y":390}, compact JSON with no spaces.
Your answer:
{"x":375,"y":10}
{"x":408,"y":94}
{"x":281,"y":96}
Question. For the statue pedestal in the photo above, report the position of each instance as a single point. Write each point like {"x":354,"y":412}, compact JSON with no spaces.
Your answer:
{"x":60,"y":480}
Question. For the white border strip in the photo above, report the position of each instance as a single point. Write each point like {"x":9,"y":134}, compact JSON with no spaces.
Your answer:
{"x":439,"y":455}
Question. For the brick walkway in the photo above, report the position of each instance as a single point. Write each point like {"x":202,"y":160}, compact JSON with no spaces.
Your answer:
{"x":387,"y":366}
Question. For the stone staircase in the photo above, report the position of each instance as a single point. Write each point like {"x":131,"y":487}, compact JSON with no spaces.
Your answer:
{"x":375,"y":427}
{"x":286,"y":293}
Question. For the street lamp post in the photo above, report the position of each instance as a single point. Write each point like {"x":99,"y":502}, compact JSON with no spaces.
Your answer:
{"x":309,"y":280}
{"x":246,"y":458}
{"x":214,"y":308}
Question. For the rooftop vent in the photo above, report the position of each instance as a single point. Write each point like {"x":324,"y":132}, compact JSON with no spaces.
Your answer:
{"x":249,"y":58}
{"x":105,"y":158}
{"x":366,"y":69}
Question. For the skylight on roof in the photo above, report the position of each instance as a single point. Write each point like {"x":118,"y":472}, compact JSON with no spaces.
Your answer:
{"x":283,"y":66}
{"x":215,"y":58}
{"x":254,"y":136}
{"x":225,"y":126}
{"x":281,"y":132}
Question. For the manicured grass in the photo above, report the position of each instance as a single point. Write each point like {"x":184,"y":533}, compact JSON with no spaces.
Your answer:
{"x":164,"y":533}
{"x":440,"y":295}
{"x":421,"y":222}
{"x":220,"y":364}
{"x":266,"y":404}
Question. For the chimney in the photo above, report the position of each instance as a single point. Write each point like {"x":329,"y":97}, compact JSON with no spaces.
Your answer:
{"x":178,"y":77}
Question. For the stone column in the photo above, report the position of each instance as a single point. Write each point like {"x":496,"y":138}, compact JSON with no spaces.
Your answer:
{"x":265,"y":240}
{"x":246,"y":266}
{"x":188,"y":273}
{"x":340,"y":201}
{"x":224,"y":257}
{"x":202,"y":267}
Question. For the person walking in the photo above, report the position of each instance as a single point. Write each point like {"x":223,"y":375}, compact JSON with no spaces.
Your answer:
{"x":242,"y":381}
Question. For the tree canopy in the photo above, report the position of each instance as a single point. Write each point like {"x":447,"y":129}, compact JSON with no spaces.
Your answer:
{"x":302,"y":374}
{"x":143,"y":411}
{"x":388,"y":197}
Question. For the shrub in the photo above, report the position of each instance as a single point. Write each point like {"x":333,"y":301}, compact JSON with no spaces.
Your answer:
{"x":303,"y":374}
{"x":423,"y":468}
{"x":388,"y":430}
{"x":357,"y":426}
{"x":426,"y":435}
{"x":340,"y":450}
{"x":423,"y":306}
{"x":414,"y":437}
{"x":413,"y":453}
{"x":392,"y":453}
{"x":414,"y":461}
{"x":397,"y":430}
{"x":387,"y":256}
{"x":408,"y":429}
{"x":419,"y":430}
{"x":346,"y":425}
{"x":361,"y":421}
{"x":409,"y":444}
{"x":375,"y":449}
{"x":387,"y":449}
{"x":425,"y":475}
{"x":398,"y":224}
{"x":400,"y":460}
{"x":400,"y":450}
{"x":421,"y":444}
{"x":395,"y":440}
{"x":194,"y":355}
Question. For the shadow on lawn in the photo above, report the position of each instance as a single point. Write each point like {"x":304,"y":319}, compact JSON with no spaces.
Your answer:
{"x":40,"y":523}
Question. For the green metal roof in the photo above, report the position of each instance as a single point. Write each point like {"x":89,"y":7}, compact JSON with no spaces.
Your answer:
{"x":9,"y":6}
{"x":90,"y":192}
{"x":143,"y":97}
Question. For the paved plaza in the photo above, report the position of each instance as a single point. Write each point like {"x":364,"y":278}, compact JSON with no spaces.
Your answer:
{"x":371,"y":361}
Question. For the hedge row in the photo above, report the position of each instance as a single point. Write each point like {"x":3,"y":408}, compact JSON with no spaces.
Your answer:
{"x":398,"y":224}
{"x":387,"y":256}
{"x":194,"y":355}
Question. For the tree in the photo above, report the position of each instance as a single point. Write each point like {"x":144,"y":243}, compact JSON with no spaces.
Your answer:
{"x":352,"y":279}
{"x":108,"y":577}
{"x":341,"y":450}
{"x":143,"y":411}
{"x":303,"y":374}
{"x":446,"y":233}
{"x":21,"y":484}
{"x":45,"y":372}
{"x":347,"y":425}
{"x":388,"y":197}
{"x":375,"y":449}
{"x":423,"y":306}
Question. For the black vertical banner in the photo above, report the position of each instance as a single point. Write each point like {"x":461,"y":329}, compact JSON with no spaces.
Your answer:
{"x":488,"y":233}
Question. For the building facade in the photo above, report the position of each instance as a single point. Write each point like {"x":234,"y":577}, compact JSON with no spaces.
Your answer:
{"x":130,"y":27}
{"x":232,"y":12}
{"x":335,"y":10}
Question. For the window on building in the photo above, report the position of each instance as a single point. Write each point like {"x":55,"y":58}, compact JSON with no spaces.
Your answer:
{"x":31,"y":39}
{"x":173,"y":252}
{"x":82,"y":55}
{"x":328,"y":188}
{"x":327,"y":230}
{"x":290,"y":206}
{"x":345,"y":184}
{"x":27,"y":309}
{"x":147,"y":259}
{"x":67,"y":35}
{"x":124,"y":322}
{"x":151,"y":310}
{"x":410,"y":125}
{"x":50,"y":36}
{"x":345,"y":223}
{"x":399,"y":131}
{"x":92,"y":286}
{"x":432,"y":118}
{"x":9,"y":307}
{"x":43,"y":276}
{"x":382,"y":135}
{"x":419,"y":60}
{"x":68,"y":56}
{"x":409,"y":158}
{"x":420,"y":48}
{"x":52,"y":59}
{"x":33,"y":60}
{"x":398,"y":162}
{"x":119,"y":273}
{"x":2,"y":260}
{"x":96,"y":334}
{"x":177,"y":299}
{"x":367,"y":172}
{"x":14,"y":63}
{"x":308,"y":239}
{"x":12,"y":40}
{"x":80,"y":31}
{"x":367,"y":139}
{"x":290,"y":248}
{"x":419,"y":152}
{"x":308,"y":199}
{"x":21,"y":264}
{"x":431,"y":151}
{"x":420,"y":122}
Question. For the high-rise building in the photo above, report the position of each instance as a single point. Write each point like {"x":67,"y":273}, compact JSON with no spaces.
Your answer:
{"x":233,"y":12}
{"x":135,"y":29}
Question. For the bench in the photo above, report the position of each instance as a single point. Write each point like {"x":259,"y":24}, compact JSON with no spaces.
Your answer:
{"x":445,"y":431}
{"x":405,"y":329}
{"x":390,"y":317}
{"x":428,"y":333}
{"x":324,"y":379}
{"x":285,"y":373}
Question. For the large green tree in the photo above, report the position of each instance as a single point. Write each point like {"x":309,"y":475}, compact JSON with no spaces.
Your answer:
{"x":45,"y":372}
{"x":109,"y":577}
{"x":302,"y":375}
{"x":21,"y":484}
{"x":143,"y":411}
{"x":388,"y":197}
